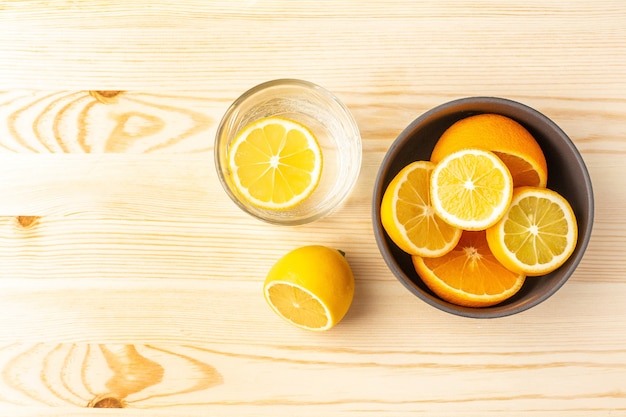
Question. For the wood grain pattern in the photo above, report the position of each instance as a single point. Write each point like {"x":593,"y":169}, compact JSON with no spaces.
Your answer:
{"x":130,"y":282}
{"x":102,"y":121}
{"x":100,"y":376}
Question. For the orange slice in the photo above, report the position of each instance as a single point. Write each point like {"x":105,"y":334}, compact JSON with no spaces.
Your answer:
{"x":469,"y":275}
{"x":409,"y":218}
{"x":537,"y":234}
{"x":505,"y":137}
{"x":471,"y":189}
{"x":275,"y":163}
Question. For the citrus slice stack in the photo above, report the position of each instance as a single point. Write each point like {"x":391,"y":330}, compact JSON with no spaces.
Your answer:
{"x":477,"y":219}
{"x":537,"y":234}
{"x":310,"y":287}
{"x":469,"y":275}
{"x":275,"y":163}
{"x":503,"y":136}
{"x":408,"y":216}
{"x":471,"y":189}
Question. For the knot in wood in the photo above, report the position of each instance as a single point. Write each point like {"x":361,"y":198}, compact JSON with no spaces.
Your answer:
{"x":105,"y":96}
{"x":106,"y":402}
{"x":27,"y":221}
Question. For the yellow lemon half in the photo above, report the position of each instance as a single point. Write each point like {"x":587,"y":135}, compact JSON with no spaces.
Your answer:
{"x":311,"y":287}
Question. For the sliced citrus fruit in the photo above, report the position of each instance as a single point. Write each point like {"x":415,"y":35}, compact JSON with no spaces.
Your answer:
{"x":275,"y":163}
{"x":471,"y":189}
{"x":310,"y":287}
{"x":505,"y":137}
{"x":537,"y":234}
{"x":408,"y":217}
{"x":469,"y":275}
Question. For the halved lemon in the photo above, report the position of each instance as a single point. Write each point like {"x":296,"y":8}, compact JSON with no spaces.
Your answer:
{"x":310,"y":287}
{"x":408,"y":216}
{"x":471,"y":189}
{"x":275,"y":163}
{"x":537,"y":234}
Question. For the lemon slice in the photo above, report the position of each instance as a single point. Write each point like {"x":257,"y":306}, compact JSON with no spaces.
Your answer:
{"x":537,"y":234}
{"x":471,"y":189}
{"x":275,"y":163}
{"x":408,"y":217}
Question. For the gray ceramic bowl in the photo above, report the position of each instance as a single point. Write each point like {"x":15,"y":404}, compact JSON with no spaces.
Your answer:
{"x":567,"y":174}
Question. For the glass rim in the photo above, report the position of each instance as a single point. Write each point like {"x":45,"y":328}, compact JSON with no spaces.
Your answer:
{"x":342,"y":113}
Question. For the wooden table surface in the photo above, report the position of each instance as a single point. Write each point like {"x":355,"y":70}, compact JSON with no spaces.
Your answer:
{"x":128,"y":278}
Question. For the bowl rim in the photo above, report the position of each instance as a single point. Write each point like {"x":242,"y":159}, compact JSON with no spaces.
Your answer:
{"x":464,"y":104}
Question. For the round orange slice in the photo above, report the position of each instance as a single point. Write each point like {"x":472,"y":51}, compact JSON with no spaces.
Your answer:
{"x":503,"y":136}
{"x":469,"y":275}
